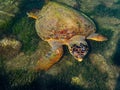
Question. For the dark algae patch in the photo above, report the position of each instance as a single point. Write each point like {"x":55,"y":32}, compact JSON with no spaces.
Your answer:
{"x":24,"y":27}
{"x":4,"y":81}
{"x":103,"y":10}
{"x":24,"y":31}
{"x":116,"y":57}
{"x":96,"y":72}
{"x":118,"y":83}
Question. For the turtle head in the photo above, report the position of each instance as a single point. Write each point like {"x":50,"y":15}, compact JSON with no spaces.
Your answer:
{"x":78,"y":48}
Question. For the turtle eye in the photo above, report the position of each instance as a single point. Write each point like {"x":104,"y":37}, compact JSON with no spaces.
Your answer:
{"x":79,"y":51}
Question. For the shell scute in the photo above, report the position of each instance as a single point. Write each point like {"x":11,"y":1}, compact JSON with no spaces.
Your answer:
{"x":61,"y":22}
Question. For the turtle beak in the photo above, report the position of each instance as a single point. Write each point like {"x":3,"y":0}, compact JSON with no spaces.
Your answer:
{"x":80,"y":59}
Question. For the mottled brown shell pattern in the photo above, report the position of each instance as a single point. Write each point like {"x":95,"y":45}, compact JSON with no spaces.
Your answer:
{"x":56,"y":21}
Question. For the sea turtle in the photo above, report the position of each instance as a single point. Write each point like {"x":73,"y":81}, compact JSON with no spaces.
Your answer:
{"x":62,"y":25}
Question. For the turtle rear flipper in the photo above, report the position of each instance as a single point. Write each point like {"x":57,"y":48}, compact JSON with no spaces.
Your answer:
{"x":51,"y":57}
{"x":97,"y":37}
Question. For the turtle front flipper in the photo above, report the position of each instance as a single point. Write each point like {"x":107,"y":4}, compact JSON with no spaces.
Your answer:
{"x":97,"y":37}
{"x":51,"y":57}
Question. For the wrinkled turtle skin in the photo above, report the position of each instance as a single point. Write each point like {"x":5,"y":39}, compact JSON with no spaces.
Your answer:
{"x":61,"y":25}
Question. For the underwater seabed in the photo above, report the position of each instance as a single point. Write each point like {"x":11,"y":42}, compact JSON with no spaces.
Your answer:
{"x":20,"y":48}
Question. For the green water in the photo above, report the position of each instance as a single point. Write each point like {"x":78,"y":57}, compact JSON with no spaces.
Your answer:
{"x":99,"y":69}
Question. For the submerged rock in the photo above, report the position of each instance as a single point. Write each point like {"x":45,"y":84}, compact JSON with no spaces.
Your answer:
{"x":100,"y":62}
{"x":79,"y":80}
{"x":9,"y":47}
